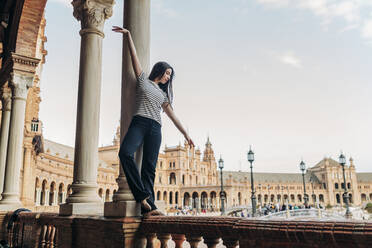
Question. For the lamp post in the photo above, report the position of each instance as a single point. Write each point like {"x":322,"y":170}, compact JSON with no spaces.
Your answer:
{"x":303,"y":168}
{"x":222,"y":194}
{"x":342,"y":161}
{"x":250,"y":157}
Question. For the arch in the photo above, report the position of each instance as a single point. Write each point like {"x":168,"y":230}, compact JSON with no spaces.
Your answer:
{"x":336,"y":185}
{"x":240,"y":198}
{"x":299,"y":198}
{"x":171,"y":197}
{"x":266,"y":197}
{"x":293,"y":198}
{"x":158,"y":194}
{"x":285,"y":198}
{"x":342,"y":186}
{"x":176,"y":198}
{"x":43,"y":192}
{"x":186,"y":199}
{"x":204,"y":200}
{"x":165,"y":198}
{"x":213,"y":196}
{"x":272,"y":198}
{"x":172,"y":179}
{"x":278,"y":198}
{"x":195,"y":200}
{"x":363,"y":197}
{"x":349,"y":185}
{"x":338,"y":198}
{"x":69,"y":189}
{"x":21,"y":42}
{"x":37,"y":186}
{"x":100,"y":193}
{"x":321,"y":198}
{"x":60,"y":193}
{"x":183,"y":179}
{"x":107,"y":195}
{"x":313,"y":196}
{"x":350,"y":198}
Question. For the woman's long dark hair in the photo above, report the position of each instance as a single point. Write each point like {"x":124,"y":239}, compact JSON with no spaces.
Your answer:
{"x":158,"y":71}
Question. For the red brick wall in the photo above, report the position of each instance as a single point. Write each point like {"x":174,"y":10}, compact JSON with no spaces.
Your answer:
{"x":29,"y":25}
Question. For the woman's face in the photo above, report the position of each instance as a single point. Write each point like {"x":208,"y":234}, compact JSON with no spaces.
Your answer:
{"x":166,"y":76}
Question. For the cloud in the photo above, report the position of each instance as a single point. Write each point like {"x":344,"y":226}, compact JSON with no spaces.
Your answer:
{"x":290,"y":59}
{"x":351,"y":11}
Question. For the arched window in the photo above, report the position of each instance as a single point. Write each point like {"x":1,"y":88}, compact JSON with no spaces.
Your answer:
{"x":348,"y":185}
{"x":172,"y":178}
{"x":338,"y":198}
{"x":158,"y":196}
{"x":336,"y":185}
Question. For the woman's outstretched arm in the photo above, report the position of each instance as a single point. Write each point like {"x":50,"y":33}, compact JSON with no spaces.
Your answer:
{"x":132,"y":49}
{"x":169,"y":111}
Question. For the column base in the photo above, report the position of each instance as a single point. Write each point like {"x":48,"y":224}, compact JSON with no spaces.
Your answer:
{"x":6,"y":207}
{"x":89,"y":208}
{"x":122,"y":209}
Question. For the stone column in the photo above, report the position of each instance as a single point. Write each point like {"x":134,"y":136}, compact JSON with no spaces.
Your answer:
{"x":63,"y":197}
{"x":84,"y":198}
{"x":19,"y":84}
{"x":38,"y":197}
{"x":6,"y":101}
{"x":28,"y":182}
{"x":137,"y":20}
{"x":46,"y":197}
{"x":55,"y":196}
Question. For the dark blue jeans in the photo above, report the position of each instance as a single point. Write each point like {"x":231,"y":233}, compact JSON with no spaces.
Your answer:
{"x":146,"y":131}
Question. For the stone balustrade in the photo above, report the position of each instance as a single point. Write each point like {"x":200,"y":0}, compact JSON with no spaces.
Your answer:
{"x":51,"y":230}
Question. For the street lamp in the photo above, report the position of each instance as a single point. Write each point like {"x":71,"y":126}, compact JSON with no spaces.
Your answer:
{"x":250,"y":157}
{"x":222,"y":194}
{"x":303,"y":168}
{"x":342,"y":161}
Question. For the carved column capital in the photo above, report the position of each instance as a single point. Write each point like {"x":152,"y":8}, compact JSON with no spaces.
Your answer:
{"x":92,"y":13}
{"x":6,"y":99}
{"x":20,"y":85}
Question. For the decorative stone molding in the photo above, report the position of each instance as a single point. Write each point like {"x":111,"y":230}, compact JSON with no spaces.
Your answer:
{"x":92,"y":13}
{"x":19,"y":64}
{"x":20,"y":85}
{"x":6,"y":97}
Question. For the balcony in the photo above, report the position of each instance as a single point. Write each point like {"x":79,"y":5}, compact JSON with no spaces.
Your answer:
{"x":52,"y":230}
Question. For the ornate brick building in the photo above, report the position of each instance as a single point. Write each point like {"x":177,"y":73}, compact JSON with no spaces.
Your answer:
{"x":188,"y":177}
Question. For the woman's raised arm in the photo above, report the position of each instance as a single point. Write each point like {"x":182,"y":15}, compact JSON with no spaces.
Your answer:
{"x":132,"y":49}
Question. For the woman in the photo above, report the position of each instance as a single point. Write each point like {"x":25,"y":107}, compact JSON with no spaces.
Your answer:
{"x":152,"y":95}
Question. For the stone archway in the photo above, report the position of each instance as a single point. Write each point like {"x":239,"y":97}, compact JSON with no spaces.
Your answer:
{"x":195,"y":200}
{"x":186,"y":199}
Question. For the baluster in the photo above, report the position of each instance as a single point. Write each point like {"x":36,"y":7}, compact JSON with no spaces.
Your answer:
{"x":164,"y":237}
{"x":178,"y":239}
{"x":55,"y":238}
{"x":211,"y":242}
{"x":47,"y":238}
{"x":150,"y":240}
{"x":193,"y":240}
{"x":51,"y":237}
{"x":230,"y":243}
{"x":43,"y":235}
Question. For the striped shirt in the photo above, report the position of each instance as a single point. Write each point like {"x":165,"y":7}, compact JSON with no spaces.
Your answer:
{"x":149,"y":98}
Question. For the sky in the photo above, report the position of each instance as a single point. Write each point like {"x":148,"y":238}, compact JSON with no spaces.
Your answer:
{"x":290,"y":78}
